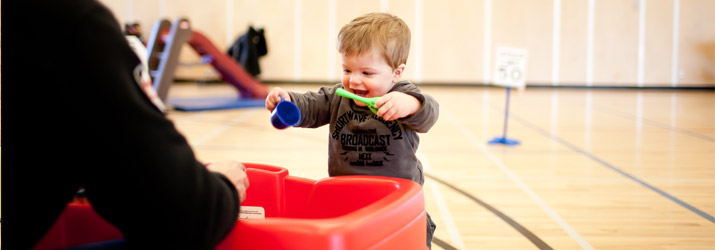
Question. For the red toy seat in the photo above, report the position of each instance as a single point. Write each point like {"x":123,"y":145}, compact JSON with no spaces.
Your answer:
{"x":347,"y":212}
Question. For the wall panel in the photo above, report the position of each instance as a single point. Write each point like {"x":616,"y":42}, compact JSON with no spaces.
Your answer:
{"x":658,"y":43}
{"x":696,"y":58}
{"x":452,"y":51}
{"x":448,"y":37}
{"x":572,"y":67}
{"x":314,"y":43}
{"x":615,"y":42}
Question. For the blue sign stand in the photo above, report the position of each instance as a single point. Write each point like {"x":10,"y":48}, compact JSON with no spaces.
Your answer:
{"x":503,"y":139}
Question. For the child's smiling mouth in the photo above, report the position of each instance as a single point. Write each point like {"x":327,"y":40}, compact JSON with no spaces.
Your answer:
{"x":362,"y":93}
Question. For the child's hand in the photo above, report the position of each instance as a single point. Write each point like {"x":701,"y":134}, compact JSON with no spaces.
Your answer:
{"x":274,"y":97}
{"x":395,"y":105}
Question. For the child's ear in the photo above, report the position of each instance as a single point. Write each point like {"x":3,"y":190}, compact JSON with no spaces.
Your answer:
{"x":397,"y":74}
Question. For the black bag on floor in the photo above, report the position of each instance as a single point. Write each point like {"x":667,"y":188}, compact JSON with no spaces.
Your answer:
{"x":248,"y":48}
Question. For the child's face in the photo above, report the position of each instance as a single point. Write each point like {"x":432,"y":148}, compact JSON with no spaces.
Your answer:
{"x":368,"y":74}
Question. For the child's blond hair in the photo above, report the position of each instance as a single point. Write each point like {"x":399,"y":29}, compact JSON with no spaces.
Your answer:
{"x":380,"y":31}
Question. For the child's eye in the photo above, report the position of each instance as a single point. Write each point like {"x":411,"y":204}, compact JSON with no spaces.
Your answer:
{"x":367,"y":73}
{"x":346,"y":71}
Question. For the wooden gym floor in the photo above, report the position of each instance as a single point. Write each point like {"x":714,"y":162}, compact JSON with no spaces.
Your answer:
{"x":596,"y":168}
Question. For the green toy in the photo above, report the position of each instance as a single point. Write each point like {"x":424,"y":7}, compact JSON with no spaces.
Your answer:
{"x":370,"y":102}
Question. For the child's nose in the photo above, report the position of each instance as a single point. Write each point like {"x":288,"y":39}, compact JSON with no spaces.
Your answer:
{"x":354,"y":78}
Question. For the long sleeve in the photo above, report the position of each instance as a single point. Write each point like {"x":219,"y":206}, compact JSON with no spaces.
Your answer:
{"x":316,"y":107}
{"x":139,"y":172}
{"x":426,"y":116}
{"x":153,"y":189}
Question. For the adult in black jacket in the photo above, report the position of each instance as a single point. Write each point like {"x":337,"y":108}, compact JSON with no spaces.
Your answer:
{"x":95,"y":128}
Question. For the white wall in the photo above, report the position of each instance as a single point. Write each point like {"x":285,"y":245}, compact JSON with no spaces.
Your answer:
{"x":454,"y":40}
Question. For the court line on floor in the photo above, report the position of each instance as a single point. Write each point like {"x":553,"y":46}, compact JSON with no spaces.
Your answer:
{"x":549,"y":211}
{"x":617,"y":170}
{"x":521,"y":229}
{"x":442,"y":244}
{"x":449,"y":221}
{"x":452,"y":231}
{"x":223,"y":128}
{"x":658,"y":124}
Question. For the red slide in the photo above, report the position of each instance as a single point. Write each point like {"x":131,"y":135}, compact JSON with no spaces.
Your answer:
{"x":229,"y":69}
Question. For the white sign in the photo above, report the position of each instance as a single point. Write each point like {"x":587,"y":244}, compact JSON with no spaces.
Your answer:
{"x":250,"y":212}
{"x":510,"y":67}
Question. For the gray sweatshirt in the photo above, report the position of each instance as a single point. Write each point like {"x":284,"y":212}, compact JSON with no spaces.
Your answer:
{"x":361,"y":143}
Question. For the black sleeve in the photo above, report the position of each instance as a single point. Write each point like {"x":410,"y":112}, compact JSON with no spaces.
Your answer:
{"x":152,"y":187}
{"x":138,"y":171}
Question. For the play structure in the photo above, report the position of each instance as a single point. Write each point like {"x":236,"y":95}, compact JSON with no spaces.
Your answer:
{"x":164,"y":47}
{"x":346,"y":212}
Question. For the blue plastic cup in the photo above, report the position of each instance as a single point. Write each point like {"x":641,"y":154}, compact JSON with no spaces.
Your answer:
{"x":285,"y":114}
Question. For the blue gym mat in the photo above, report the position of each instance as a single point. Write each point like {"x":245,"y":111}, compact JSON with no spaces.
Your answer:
{"x":215,"y":103}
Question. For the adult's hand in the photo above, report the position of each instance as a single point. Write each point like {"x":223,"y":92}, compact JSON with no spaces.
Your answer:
{"x":235,"y":172}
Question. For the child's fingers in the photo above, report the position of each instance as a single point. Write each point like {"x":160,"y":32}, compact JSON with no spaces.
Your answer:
{"x":383,"y":100}
{"x":273,"y":98}
{"x":381,"y":108}
{"x":391,"y":114}
{"x":388,"y":111}
{"x":281,"y":93}
{"x":269,"y":104}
